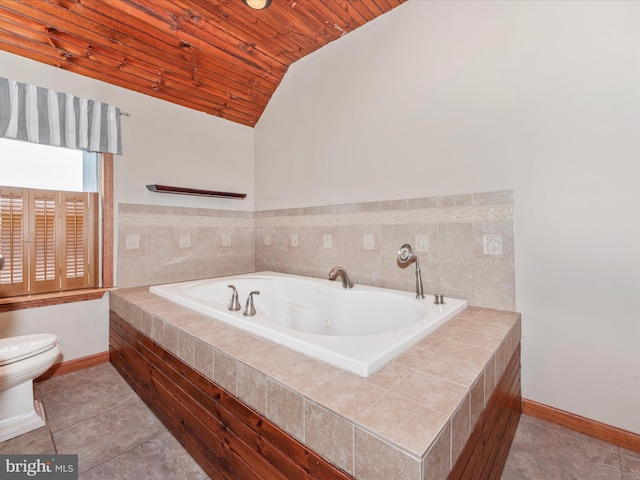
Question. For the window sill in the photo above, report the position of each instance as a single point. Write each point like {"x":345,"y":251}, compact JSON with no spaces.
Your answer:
{"x":9,"y":304}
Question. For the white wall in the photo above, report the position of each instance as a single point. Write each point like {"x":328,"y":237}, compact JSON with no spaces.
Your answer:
{"x":82,"y":328}
{"x":458,"y":97}
{"x":162,"y":143}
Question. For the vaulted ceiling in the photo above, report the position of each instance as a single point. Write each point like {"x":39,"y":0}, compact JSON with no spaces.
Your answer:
{"x":215,"y":56}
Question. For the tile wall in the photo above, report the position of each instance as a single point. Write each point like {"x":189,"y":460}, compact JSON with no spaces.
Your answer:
{"x":464,"y":243}
{"x":158,"y":244}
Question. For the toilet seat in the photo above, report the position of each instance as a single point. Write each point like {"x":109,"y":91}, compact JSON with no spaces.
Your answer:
{"x":14,"y":349}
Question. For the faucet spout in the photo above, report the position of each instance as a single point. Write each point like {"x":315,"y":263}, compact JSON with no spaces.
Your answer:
{"x":341,"y":272}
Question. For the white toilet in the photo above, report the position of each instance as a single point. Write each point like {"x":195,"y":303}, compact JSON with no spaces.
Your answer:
{"x":22,"y":359}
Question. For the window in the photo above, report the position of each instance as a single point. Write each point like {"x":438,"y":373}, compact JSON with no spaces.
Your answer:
{"x":38,"y":116}
{"x":49,"y":238}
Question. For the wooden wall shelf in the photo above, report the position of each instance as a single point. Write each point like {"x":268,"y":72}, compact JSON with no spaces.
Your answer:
{"x":195,"y":191}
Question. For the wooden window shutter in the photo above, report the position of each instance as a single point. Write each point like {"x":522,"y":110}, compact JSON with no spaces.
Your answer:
{"x":49,"y":239}
{"x":14,"y":277}
{"x":79,"y":263}
{"x":44,"y":240}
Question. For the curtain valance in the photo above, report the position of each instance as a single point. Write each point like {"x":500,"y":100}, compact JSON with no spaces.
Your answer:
{"x":39,"y":115}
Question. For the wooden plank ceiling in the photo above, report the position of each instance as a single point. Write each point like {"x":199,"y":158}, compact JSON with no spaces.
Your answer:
{"x":215,"y":56}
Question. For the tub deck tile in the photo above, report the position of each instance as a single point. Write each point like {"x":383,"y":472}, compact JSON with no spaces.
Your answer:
{"x":234,"y":342}
{"x":376,"y":459}
{"x":389,"y":375}
{"x":291,"y":368}
{"x":448,"y":368}
{"x":432,"y":392}
{"x":395,"y":418}
{"x":346,"y":394}
{"x":444,"y":380}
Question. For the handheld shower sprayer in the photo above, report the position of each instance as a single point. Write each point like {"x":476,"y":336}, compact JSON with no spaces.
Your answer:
{"x":406,"y":256}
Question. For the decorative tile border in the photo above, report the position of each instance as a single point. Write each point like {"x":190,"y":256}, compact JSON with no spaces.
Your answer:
{"x":172,"y":220}
{"x":497,"y":213}
{"x":320,"y":217}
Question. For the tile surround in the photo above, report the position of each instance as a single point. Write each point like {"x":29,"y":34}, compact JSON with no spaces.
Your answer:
{"x":158,"y":244}
{"x":410,"y":425}
{"x":437,"y":463}
{"x":368,"y":433}
{"x":453,"y":231}
{"x":285,"y":408}
{"x":387,"y":421}
{"x":453,"y":265}
{"x":435,"y":393}
{"x":346,"y":394}
{"x":329,"y":434}
{"x":375,"y":459}
{"x":252,"y":388}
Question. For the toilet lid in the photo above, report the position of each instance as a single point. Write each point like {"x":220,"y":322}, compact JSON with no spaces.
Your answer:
{"x":13,"y":349}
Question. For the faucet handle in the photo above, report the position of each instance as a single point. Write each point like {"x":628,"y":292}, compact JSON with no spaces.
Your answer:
{"x":234,"y":306}
{"x":249,"y":310}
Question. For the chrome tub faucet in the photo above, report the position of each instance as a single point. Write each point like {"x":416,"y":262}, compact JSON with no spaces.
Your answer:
{"x":341,"y":272}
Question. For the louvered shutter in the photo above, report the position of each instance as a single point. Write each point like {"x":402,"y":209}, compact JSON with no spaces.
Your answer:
{"x":76,"y":254}
{"x":14,"y":275}
{"x":45,"y":235}
{"x":49,"y":239}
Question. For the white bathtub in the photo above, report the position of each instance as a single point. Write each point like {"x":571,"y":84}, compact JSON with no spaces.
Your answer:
{"x":359,"y":329}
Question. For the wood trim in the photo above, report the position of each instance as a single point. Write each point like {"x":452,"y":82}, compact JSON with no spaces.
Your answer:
{"x":10,"y":304}
{"x":107,"y":220}
{"x":226,"y":437}
{"x":586,"y":426}
{"x":74,"y":365}
{"x":487,"y":448}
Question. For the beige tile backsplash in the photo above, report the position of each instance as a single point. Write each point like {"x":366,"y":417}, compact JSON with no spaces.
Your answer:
{"x":167,"y":244}
{"x":464,"y":243}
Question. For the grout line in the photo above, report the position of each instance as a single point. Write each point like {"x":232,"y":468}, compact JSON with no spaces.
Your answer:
{"x":620,"y":463}
{"x":101,"y":412}
{"x":123,"y":452}
{"x":53,"y":441}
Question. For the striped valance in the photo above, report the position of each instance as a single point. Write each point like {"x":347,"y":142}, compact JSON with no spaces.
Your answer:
{"x":38,"y":115}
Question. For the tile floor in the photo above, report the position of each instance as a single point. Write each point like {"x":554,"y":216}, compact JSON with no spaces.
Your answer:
{"x":94,"y":413}
{"x":545,"y":451}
